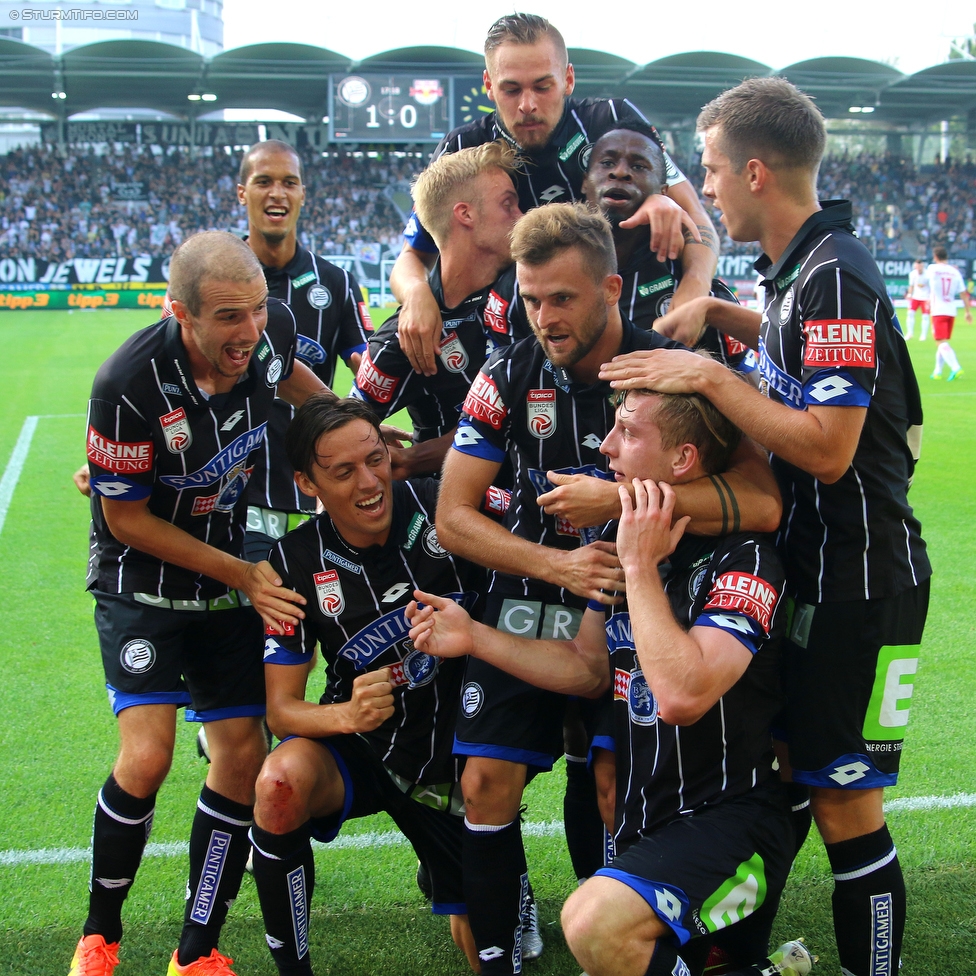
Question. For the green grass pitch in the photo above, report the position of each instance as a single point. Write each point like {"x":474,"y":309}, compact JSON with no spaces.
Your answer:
{"x":58,"y":738}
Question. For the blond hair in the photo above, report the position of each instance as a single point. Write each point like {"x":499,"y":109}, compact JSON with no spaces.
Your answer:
{"x":446,"y":181}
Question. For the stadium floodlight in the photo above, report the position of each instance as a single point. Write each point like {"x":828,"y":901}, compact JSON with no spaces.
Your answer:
{"x":210,"y":97}
{"x":865,"y":109}
{"x":193,"y":98}
{"x":58,"y":95}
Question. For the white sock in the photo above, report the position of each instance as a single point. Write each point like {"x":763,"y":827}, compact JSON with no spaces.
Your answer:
{"x":909,"y":323}
{"x":925,"y":327}
{"x":938,"y":359}
{"x":949,"y":356}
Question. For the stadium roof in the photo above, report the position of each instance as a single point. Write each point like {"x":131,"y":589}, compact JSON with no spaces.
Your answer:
{"x":294,"y":78}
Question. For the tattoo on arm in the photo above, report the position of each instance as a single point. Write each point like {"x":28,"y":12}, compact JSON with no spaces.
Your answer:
{"x":731,"y":505}
{"x":708,"y":237}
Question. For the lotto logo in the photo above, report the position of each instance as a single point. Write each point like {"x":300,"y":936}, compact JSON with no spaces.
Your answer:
{"x":849,"y":773}
{"x":374,"y":382}
{"x":746,"y":593}
{"x":838,"y":342}
{"x":484,"y":402}
{"x":496,"y":313}
{"x":122,"y":457}
{"x":829,"y":388}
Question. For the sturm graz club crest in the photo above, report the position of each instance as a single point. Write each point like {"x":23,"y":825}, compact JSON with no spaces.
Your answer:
{"x":431,"y":546}
{"x":275,"y":368}
{"x":328,"y":589}
{"x":319,"y":296}
{"x":472,"y":698}
{"x":540,"y":413}
{"x":640,"y":700}
{"x":138,"y":656}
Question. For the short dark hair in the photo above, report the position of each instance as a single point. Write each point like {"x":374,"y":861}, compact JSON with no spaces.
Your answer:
{"x":940,"y":252}
{"x":644,"y":129}
{"x":767,"y":119}
{"x":521,"y":28}
{"x":690,"y":418}
{"x":321,"y":414}
{"x":275,"y":145}
{"x":545,"y":232}
{"x":209,"y":254}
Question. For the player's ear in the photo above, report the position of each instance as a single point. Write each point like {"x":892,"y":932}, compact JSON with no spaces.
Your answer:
{"x":612,"y":286}
{"x":180,"y":312}
{"x":464,"y":213}
{"x":570,"y":79}
{"x":757,"y":173}
{"x":240,"y":194}
{"x":305,"y":485}
{"x":684,"y":459}
{"x":486,"y":78}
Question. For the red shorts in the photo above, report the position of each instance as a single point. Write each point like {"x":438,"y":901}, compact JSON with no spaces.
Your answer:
{"x":942,"y":327}
{"x":914,"y":304}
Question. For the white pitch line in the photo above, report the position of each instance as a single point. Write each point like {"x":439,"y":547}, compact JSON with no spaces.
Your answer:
{"x":392,"y":838}
{"x":15,"y":465}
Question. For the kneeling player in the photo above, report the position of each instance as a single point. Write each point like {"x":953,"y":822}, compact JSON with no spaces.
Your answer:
{"x":381,"y":737}
{"x":702,"y":826}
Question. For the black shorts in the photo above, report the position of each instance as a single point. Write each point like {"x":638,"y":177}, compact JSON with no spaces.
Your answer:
{"x":704,"y":872}
{"x":209,"y":659}
{"x":847,"y":674}
{"x":502,"y":717}
{"x":435,"y":834}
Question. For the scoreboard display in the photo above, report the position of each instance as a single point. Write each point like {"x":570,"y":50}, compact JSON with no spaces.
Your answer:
{"x":389,"y":108}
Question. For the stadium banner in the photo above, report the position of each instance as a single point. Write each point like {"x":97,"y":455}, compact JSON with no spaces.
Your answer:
{"x":110,"y":282}
{"x":158,"y":133}
{"x":736,"y":270}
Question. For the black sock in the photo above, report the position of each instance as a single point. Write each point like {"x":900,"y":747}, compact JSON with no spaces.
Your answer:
{"x":799,"y":795}
{"x":496,"y":884}
{"x":284,"y":871}
{"x":119,"y":835}
{"x":869,"y":903}
{"x":219,"y":847}
{"x":581,"y":817}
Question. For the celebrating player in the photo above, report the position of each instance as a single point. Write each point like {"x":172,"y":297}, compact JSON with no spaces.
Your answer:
{"x":381,"y":737}
{"x":945,"y":286}
{"x":175,"y":419}
{"x":842,"y":402}
{"x":626,"y":167}
{"x":468,"y":202}
{"x":918,"y":301}
{"x":530,"y":80}
{"x":702,"y":829}
{"x":329,"y":311}
{"x":540,"y":404}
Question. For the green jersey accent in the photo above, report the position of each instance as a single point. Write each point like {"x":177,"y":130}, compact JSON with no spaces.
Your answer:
{"x":738,"y":897}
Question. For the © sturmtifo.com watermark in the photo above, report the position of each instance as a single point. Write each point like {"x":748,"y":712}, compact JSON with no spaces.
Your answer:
{"x":72,"y":13}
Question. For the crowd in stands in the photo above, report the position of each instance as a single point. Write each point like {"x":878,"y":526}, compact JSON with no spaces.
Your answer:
{"x":899,"y":209}
{"x":142,"y":201}
{"x":145,"y":201}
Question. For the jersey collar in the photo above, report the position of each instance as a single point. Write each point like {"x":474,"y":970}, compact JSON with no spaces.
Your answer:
{"x":835,"y":215}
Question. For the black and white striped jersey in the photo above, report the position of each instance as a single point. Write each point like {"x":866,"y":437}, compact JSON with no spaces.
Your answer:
{"x":828,"y":339}
{"x":522,"y":407}
{"x":333,"y":323}
{"x":734,"y":584}
{"x":555,"y":173}
{"x":489,"y":319}
{"x":153,"y":434}
{"x":355,"y":611}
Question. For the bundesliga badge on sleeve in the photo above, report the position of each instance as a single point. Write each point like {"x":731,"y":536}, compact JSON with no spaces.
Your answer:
{"x":328,"y":589}
{"x":176,"y":430}
{"x":453,"y":356}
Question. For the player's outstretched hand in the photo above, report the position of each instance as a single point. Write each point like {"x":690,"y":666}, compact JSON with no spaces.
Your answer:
{"x":371,"y":703}
{"x":441,"y":627}
{"x":671,"y":227}
{"x":589,"y":570}
{"x":277,"y":604}
{"x":419,"y":328}
{"x":663,"y":370}
{"x":645,"y":536}
{"x":685,"y":323}
{"x":82,"y":480}
{"x":581,"y":499}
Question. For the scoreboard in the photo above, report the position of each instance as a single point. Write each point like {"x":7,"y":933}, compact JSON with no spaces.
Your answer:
{"x":389,"y":108}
